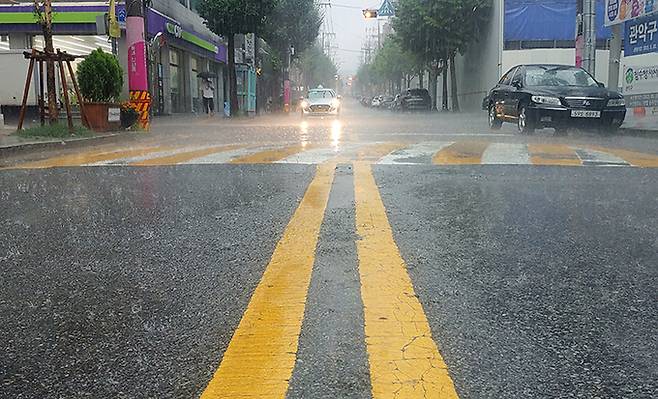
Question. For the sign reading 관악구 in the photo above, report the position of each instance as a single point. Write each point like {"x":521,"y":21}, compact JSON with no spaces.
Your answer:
{"x":641,"y":36}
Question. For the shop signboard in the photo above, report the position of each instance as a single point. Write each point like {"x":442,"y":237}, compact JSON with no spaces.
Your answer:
{"x":640,"y":88}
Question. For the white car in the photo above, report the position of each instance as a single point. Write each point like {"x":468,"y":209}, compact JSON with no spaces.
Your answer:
{"x":320,"y":102}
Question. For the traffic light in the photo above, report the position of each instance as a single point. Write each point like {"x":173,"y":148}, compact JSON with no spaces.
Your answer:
{"x":368,"y":14}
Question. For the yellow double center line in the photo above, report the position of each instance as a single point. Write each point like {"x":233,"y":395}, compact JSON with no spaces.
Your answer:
{"x":260,"y":358}
{"x":404,"y":359}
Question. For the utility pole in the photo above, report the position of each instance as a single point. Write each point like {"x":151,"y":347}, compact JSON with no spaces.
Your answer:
{"x":615,"y":57}
{"x":379,"y":35}
{"x":589,"y":32}
{"x":137,"y":71}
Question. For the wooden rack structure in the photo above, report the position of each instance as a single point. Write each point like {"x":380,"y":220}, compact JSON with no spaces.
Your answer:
{"x":60,"y":57}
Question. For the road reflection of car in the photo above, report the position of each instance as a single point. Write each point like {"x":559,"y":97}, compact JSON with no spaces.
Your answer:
{"x":558,"y":96}
{"x":413,"y":100}
{"x":321,"y":102}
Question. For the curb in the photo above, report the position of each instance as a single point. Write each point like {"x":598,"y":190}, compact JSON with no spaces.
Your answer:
{"x":70,"y":143}
{"x":638,"y":132}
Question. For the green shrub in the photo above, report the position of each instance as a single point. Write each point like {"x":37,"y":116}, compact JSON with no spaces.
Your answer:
{"x":100,"y":77}
{"x":57,"y":131}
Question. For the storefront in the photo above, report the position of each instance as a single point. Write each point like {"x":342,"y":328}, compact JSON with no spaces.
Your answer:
{"x":177,"y":55}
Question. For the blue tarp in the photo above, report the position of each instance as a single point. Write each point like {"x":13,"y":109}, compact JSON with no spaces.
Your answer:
{"x":547,"y":20}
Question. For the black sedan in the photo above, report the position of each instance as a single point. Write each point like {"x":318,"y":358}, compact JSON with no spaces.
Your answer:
{"x":557,"y":96}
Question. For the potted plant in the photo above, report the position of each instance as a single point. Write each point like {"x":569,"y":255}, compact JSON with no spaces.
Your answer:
{"x":101,"y":80}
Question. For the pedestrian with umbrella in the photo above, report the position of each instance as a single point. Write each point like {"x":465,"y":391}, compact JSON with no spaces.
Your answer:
{"x":208,"y":93}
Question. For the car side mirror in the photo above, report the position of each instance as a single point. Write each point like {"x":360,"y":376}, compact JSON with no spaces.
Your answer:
{"x":339,"y":97}
{"x":517,"y":84}
{"x":600,"y":84}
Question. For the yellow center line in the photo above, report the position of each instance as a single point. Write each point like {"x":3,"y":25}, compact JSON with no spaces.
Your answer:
{"x":404,"y":359}
{"x":88,"y":157}
{"x":269,"y":156}
{"x":553,"y":154}
{"x":461,"y":153}
{"x":184,"y":156}
{"x":260,"y":358}
{"x":634,"y":158}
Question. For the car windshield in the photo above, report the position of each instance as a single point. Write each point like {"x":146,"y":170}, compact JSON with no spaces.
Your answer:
{"x":320,"y":94}
{"x":558,"y":76}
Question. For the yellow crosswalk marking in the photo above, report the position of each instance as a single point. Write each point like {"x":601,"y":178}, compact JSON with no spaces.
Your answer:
{"x":461,"y":153}
{"x":89,"y":157}
{"x":261,"y":355}
{"x":404,"y":359}
{"x":270,"y":156}
{"x":553,"y":154}
{"x":183,"y":156}
{"x":634,"y":158}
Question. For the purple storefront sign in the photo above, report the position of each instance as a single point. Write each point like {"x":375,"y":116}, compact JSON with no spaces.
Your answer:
{"x":156,"y":22}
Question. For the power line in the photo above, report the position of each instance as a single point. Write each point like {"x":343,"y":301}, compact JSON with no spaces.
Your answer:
{"x":346,"y":6}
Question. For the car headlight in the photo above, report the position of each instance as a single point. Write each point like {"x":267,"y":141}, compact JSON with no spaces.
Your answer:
{"x":335,"y":103}
{"x":546,"y":100}
{"x":616,"y":102}
{"x":305,"y":104}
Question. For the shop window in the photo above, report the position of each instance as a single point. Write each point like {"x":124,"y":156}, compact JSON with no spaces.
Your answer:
{"x":175,"y":81}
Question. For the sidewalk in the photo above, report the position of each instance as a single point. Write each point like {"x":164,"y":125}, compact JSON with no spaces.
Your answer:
{"x":10,"y":143}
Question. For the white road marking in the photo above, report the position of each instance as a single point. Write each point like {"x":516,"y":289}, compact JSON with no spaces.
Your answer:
{"x":593,"y":157}
{"x":226,"y":156}
{"x":447,"y":135}
{"x":316,"y":156}
{"x":151,"y":155}
{"x":506,"y":154}
{"x":420,"y":150}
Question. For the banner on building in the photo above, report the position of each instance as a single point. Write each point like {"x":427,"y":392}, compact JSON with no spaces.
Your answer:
{"x":618,"y":11}
{"x":641,"y":36}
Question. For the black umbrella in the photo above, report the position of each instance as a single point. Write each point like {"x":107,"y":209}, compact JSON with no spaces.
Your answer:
{"x":206,"y":75}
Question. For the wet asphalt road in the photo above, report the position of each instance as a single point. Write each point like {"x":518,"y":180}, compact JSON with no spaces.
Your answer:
{"x":129,"y":282}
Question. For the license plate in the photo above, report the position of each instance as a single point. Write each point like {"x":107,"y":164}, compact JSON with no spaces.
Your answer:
{"x":585,"y":114}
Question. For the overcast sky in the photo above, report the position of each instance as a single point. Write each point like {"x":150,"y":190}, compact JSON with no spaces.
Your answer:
{"x":350,"y":28}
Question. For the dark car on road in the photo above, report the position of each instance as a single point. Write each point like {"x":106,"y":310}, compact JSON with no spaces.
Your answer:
{"x":413,"y":100}
{"x":557,"y":96}
{"x":385,"y":102}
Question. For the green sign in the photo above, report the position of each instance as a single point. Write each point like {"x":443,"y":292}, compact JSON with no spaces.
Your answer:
{"x":178,"y":32}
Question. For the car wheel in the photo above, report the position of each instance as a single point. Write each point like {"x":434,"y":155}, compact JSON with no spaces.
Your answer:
{"x":494,"y":122}
{"x":523,"y":123}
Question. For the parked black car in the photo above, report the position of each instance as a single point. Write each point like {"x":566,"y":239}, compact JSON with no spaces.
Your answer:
{"x":413,"y":100}
{"x":558,"y":96}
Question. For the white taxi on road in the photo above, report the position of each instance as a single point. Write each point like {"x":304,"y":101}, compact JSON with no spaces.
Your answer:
{"x":320,"y":102}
